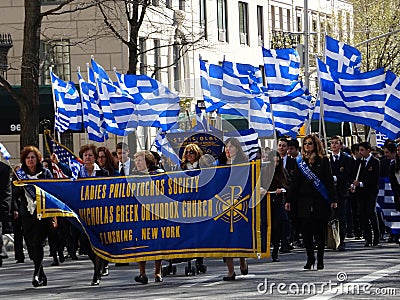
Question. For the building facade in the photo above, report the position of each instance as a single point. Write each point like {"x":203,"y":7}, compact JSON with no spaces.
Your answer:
{"x":214,"y":29}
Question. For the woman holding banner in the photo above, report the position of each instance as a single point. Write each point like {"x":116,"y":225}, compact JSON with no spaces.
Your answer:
{"x":88,"y":154}
{"x":313,"y":193}
{"x":233,"y":154}
{"x":35,"y":231}
{"x":146,"y":165}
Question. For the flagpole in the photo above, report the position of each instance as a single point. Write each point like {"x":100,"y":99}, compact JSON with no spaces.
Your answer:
{"x":78,"y":68}
{"x":54,"y":99}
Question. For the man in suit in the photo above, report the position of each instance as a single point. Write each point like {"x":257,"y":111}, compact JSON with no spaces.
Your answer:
{"x":289,"y":165}
{"x":341,"y":171}
{"x":5,"y":202}
{"x":126,"y":166}
{"x":366,"y":185}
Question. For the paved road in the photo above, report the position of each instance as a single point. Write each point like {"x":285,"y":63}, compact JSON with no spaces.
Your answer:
{"x":363,"y":273}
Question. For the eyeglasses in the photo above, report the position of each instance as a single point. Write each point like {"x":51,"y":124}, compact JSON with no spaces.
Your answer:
{"x":190,"y":152}
{"x":308,"y":143}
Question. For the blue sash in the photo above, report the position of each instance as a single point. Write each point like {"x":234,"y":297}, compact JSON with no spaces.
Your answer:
{"x":312,"y":177}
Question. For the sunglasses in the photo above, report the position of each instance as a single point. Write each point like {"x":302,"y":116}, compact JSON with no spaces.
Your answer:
{"x":308,"y":143}
{"x":190,"y":152}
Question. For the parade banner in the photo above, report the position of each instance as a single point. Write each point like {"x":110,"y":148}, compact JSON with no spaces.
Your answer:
{"x":212,"y":212}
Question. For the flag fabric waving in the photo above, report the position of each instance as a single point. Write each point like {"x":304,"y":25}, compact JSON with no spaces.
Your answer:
{"x":341,"y":57}
{"x":390,"y":125}
{"x":68,"y":114}
{"x":164,"y":147}
{"x":117,"y":105}
{"x":281,"y":68}
{"x":4,"y":152}
{"x":92,"y":112}
{"x":155,"y":104}
{"x":63,"y":153}
{"x":358,"y":98}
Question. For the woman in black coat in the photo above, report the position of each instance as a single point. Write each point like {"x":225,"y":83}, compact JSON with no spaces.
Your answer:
{"x":313,"y":208}
{"x":35,"y":231}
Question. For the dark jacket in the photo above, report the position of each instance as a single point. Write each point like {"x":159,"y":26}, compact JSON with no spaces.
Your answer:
{"x":369,"y":176}
{"x":306,"y":198}
{"x":18,"y":193}
{"x":342,"y":169}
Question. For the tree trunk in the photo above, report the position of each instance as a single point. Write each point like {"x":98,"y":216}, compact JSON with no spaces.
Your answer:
{"x":29,"y":103}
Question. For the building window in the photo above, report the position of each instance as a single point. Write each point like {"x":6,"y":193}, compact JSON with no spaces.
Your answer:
{"x":280,"y":18}
{"x":55,"y":54}
{"x":273,"y":26}
{"x":260,"y":25}
{"x":243,"y":23}
{"x":142,"y":56}
{"x":168,"y":3}
{"x":222,"y":21}
{"x":52,"y":2}
{"x":288,"y":21}
{"x":157,"y":59}
{"x":203,"y":17}
{"x":182,"y":4}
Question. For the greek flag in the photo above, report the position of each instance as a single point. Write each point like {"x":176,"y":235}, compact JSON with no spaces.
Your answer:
{"x":385,"y":203}
{"x":75,"y":167}
{"x":162,"y":144}
{"x":357,"y":98}
{"x":290,"y":115}
{"x":390,"y":125}
{"x":341,"y":57}
{"x":239,"y":86}
{"x":248,"y":139}
{"x":220,"y":88}
{"x":68,"y":114}
{"x":117,"y":105}
{"x":92,"y":113}
{"x":4,"y":151}
{"x":380,"y":138}
{"x":155,"y":104}
{"x":281,"y":68}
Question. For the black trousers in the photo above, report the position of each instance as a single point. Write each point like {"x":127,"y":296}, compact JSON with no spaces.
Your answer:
{"x":340,"y":214}
{"x":98,"y":262}
{"x":35,"y":232}
{"x":314,"y":228}
{"x":368,"y":217}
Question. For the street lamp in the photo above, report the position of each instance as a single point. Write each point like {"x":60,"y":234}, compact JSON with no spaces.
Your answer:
{"x":5,"y":45}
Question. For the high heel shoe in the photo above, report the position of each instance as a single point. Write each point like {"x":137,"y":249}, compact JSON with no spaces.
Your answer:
{"x":230,"y":278}
{"x":36,"y":282}
{"x":245,"y":271}
{"x":310,"y":264}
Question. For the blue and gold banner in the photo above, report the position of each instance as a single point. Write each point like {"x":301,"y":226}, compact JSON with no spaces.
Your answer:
{"x":212,"y":212}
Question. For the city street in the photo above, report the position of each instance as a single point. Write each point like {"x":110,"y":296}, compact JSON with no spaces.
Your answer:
{"x":358,"y":273}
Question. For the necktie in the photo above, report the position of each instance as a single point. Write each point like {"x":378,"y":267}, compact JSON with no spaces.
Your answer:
{"x":122,"y":169}
{"x":336,"y":157}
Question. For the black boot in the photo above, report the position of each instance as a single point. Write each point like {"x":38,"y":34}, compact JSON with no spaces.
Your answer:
{"x":310,"y":263}
{"x":320,"y":259}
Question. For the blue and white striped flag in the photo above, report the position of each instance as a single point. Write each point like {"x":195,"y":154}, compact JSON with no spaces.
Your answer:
{"x":248,"y":139}
{"x":68,"y":114}
{"x":240,"y":92}
{"x":92,"y":112}
{"x":390,"y":125}
{"x":281,"y":68}
{"x":75,"y":167}
{"x":380,"y":138}
{"x":117,"y":105}
{"x":220,"y":88}
{"x":163,"y":145}
{"x":4,"y":151}
{"x":290,"y":115}
{"x":357,"y":98}
{"x":155,"y":104}
{"x":341,"y":57}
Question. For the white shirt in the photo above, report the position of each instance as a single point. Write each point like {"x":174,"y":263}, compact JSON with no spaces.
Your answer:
{"x":127,"y":166}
